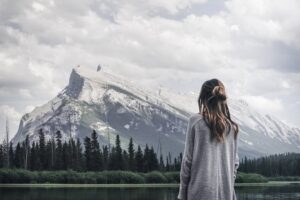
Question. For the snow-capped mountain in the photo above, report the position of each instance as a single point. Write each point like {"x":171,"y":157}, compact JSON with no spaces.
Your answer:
{"x":113,"y":105}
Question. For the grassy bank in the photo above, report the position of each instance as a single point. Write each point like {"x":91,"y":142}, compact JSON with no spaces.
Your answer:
{"x":103,"y":177}
{"x":112,"y":177}
{"x":135,"y":185}
{"x":250,"y":178}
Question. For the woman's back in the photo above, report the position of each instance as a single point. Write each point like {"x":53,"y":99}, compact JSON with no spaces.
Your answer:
{"x":211,"y":170}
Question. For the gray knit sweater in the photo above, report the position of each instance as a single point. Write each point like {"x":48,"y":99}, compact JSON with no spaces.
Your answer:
{"x":208,"y":168}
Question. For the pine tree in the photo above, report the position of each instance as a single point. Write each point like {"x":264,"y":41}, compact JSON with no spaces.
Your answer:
{"x":153,"y":162}
{"x":65,"y":156}
{"x":139,"y":159}
{"x":125,"y":156}
{"x":167,"y":164}
{"x":11,"y":155}
{"x":78,"y":163}
{"x":26,"y":152}
{"x":146,"y":159}
{"x":112,"y":160}
{"x":96,"y":156}
{"x":42,"y":149}
{"x":87,"y":154}
{"x":131,"y":160}
{"x":5,"y":149}
{"x":48,"y":156}
{"x":105,"y":157}
{"x":161,"y":163}
{"x":36,"y":156}
{"x":170,"y":162}
{"x":119,"y":159}
{"x":58,"y":152}
{"x":32,"y":159}
{"x":71,"y":153}
{"x":18,"y":156}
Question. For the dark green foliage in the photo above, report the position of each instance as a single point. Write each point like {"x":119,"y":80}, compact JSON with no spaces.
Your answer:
{"x":56,"y":154}
{"x":250,"y":178}
{"x":284,"y":178}
{"x":11,"y":156}
{"x":161,"y":163}
{"x":18,"y":156}
{"x":172,"y":177}
{"x":105,"y":157}
{"x":78,"y":156}
{"x":131,"y":160}
{"x":139,"y":159}
{"x":122,"y":177}
{"x":88,"y":153}
{"x":69,"y":176}
{"x":155,"y":177}
{"x":96,"y":155}
{"x":153,"y":161}
{"x":66,"y":156}
{"x":42,"y":149}
{"x":16,"y":176}
{"x":119,"y":163}
{"x":287,"y":164}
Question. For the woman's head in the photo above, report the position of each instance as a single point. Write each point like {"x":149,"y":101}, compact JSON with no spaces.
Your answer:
{"x":213,"y":106}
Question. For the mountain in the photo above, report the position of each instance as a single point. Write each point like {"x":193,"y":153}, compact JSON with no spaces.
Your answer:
{"x":113,"y":105}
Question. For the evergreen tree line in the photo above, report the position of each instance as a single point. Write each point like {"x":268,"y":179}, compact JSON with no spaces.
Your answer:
{"x":287,"y":164}
{"x":56,"y":154}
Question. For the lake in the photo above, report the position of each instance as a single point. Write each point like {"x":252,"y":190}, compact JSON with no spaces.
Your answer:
{"x":282,"y":192}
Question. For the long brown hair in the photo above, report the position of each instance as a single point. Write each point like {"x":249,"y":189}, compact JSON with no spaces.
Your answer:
{"x":213,"y":106}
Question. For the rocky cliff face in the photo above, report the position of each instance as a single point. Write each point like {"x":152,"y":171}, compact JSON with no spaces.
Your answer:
{"x":113,"y":105}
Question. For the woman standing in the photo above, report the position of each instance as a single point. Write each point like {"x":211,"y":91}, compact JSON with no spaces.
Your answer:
{"x":210,"y":159}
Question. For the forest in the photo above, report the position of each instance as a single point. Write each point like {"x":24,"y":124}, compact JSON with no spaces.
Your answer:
{"x":286,"y":164}
{"x":57,"y":154}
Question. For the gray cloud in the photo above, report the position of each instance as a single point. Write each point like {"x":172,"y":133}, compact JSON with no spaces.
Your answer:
{"x":251,"y":46}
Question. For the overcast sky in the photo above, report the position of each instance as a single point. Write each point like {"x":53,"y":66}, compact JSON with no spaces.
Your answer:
{"x":252,"y":46}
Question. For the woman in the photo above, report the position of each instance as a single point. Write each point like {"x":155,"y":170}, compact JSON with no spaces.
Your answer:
{"x":210,"y":158}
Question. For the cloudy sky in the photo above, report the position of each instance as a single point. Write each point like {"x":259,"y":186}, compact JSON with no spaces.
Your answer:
{"x":252,"y":46}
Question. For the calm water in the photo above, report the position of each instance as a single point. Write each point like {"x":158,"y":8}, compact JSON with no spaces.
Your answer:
{"x":243,"y":193}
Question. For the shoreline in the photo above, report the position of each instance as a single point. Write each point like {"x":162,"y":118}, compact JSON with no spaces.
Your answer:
{"x":145,"y":185}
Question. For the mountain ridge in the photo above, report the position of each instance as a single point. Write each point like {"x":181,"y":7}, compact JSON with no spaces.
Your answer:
{"x":112,"y":105}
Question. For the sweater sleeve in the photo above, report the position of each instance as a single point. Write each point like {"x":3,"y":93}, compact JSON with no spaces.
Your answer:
{"x":186,"y":161}
{"x":236,"y":159}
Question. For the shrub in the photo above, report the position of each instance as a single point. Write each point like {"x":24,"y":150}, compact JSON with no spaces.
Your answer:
{"x":122,"y":177}
{"x":89,"y":177}
{"x":16,"y":176}
{"x":284,"y":178}
{"x":172,"y":177}
{"x":155,"y":177}
{"x":250,"y":178}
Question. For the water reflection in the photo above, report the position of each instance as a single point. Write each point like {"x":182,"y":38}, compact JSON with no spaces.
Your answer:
{"x":243,"y":193}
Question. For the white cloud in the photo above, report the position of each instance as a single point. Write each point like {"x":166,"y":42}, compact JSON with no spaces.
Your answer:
{"x":25,"y":93}
{"x":29,"y":108}
{"x":264,"y":104}
{"x":38,"y":7}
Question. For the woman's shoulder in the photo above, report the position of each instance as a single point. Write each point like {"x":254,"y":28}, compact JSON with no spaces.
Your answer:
{"x":195,"y":117}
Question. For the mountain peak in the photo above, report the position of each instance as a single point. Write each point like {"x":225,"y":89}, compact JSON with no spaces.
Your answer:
{"x":97,"y":74}
{"x":80,"y":75}
{"x":75,"y":86}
